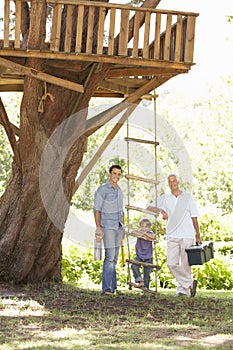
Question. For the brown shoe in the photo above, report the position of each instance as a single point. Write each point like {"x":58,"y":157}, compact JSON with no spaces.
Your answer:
{"x":141,"y":284}
{"x":193,"y":289}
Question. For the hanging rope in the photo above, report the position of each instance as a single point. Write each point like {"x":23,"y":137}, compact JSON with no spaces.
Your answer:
{"x":43,"y":98}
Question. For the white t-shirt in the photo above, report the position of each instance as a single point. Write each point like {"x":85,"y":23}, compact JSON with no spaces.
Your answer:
{"x":180,"y":212}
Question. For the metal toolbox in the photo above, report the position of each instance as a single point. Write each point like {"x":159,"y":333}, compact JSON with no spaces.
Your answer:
{"x":200,"y":254}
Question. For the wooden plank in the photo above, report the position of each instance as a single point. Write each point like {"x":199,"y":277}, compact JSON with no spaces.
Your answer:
{"x":149,"y":142}
{"x":146,"y":36}
{"x":136,"y":33}
{"x":6,"y":23}
{"x":181,"y":67}
{"x":157,"y":36}
{"x":56,"y":28}
{"x":18,"y":14}
{"x":124,"y":33}
{"x":78,"y":44}
{"x":142,"y":263}
{"x":90,"y":29}
{"x":111,"y":31}
{"x":117,"y":6}
{"x":142,"y":210}
{"x":167,"y":38}
{"x":100,"y":39}
{"x":178,"y":46}
{"x":68,"y":34}
{"x":189,"y":42}
{"x":143,"y":179}
{"x":33,"y":73}
{"x":131,"y":284}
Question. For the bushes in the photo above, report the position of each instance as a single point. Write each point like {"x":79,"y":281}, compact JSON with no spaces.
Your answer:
{"x":80,"y":269}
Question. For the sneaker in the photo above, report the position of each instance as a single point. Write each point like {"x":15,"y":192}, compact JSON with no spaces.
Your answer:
{"x":109,"y":292}
{"x":181,"y":295}
{"x":193,"y":289}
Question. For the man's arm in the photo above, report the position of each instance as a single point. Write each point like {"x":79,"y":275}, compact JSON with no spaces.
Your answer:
{"x":196,"y":227}
{"x":158,"y":211}
{"x":97,"y":218}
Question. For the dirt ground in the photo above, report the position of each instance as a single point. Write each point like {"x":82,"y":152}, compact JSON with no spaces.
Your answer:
{"x":198,"y":320}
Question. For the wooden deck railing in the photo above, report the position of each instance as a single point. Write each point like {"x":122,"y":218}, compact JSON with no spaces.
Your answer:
{"x":121,"y":30}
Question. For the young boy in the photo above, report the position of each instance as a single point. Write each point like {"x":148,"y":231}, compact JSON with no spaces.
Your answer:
{"x":144,"y":253}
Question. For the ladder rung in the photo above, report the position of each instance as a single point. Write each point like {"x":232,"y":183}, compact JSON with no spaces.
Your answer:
{"x":131,"y":284}
{"x":141,"y":210}
{"x":149,"y":142}
{"x":139,"y":178}
{"x":141,"y":263}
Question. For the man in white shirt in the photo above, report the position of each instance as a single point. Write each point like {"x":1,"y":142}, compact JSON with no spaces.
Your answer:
{"x":180,"y":211}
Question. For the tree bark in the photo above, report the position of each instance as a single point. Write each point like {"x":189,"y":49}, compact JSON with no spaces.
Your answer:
{"x":30,"y":241}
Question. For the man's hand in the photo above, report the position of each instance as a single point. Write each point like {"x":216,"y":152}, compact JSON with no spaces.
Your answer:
{"x":164,"y":215}
{"x":99,"y":234}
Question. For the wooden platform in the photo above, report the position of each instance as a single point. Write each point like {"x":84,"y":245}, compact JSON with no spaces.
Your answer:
{"x":72,"y":46}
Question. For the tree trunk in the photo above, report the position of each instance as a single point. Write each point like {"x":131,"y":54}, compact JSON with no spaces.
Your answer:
{"x":30,"y":240}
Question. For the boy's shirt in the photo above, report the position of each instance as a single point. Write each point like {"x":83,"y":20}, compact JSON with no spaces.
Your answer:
{"x":144,"y":249}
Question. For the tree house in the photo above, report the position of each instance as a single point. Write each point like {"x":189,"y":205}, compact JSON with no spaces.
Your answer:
{"x":141,"y":45}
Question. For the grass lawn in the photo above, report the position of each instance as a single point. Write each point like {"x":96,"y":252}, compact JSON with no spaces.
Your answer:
{"x":64,"y":317}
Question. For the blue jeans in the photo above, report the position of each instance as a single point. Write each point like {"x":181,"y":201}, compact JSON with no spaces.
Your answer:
{"x":112,"y":241}
{"x":146,"y":271}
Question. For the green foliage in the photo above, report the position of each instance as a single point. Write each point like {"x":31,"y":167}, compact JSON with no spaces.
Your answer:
{"x":216,"y":274}
{"x":78,"y":265}
{"x":5,"y":160}
{"x":227,"y":250}
{"x":11,"y":103}
{"x":213,"y":229}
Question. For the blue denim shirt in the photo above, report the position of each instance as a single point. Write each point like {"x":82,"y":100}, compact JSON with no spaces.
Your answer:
{"x":109,"y":201}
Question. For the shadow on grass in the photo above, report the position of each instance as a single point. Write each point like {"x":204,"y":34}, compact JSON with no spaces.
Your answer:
{"x":56,"y":316}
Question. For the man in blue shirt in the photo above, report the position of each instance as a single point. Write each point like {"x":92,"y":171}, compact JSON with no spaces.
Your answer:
{"x":109,"y":219}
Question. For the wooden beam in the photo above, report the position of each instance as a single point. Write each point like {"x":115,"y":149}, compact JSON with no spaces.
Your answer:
{"x":140,"y":71}
{"x":111,"y":86}
{"x":121,"y":60}
{"x":95,"y":123}
{"x":103,"y":146}
{"x":10,"y":133}
{"x":33,"y":73}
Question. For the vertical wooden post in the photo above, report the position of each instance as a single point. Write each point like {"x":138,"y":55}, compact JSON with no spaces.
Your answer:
{"x":78,"y":44}
{"x":146,"y":36}
{"x":178,"y":40}
{"x":90,"y":28}
{"x":100,"y":40}
{"x":168,"y":38}
{"x":124,"y":33}
{"x":157,"y":36}
{"x":111,"y":31}
{"x":68,"y":34}
{"x":56,"y":28}
{"x":136,"y":34}
{"x":6,"y":23}
{"x":189,"y":42}
{"x":18,"y":14}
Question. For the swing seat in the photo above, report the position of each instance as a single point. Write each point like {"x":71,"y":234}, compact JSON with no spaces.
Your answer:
{"x":141,"y":263}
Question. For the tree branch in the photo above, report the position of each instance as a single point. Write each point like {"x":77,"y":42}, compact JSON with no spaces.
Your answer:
{"x":10,"y":133}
